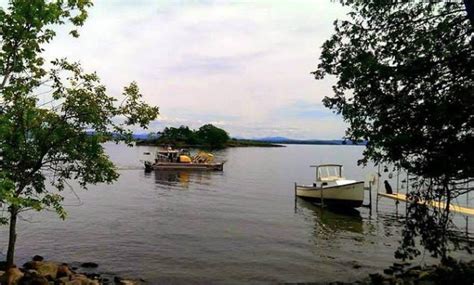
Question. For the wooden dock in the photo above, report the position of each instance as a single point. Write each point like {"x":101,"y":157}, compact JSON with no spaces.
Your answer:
{"x":435,"y":204}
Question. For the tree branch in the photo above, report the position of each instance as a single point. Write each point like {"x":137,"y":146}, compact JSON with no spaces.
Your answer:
{"x":469,"y":5}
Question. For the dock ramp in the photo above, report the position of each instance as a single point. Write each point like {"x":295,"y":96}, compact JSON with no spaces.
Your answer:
{"x":434,"y":204}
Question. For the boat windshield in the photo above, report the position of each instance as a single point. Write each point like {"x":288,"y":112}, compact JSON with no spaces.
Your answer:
{"x":328,"y":172}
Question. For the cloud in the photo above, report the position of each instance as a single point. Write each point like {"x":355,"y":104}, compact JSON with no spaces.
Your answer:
{"x":304,"y":109}
{"x":244,"y":65}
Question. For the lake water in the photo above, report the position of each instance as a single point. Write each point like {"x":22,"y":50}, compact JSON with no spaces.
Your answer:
{"x":240,"y":225}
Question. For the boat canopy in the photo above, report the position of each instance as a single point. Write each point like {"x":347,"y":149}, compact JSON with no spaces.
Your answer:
{"x":328,"y":172}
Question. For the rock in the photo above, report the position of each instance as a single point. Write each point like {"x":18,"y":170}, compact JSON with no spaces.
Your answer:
{"x":389,"y":280}
{"x":11,"y":276}
{"x":89,"y":265}
{"x":63,"y":280}
{"x":92,"y":276}
{"x":449,"y":272}
{"x":127,"y":282}
{"x":376,"y":278}
{"x":63,"y":271}
{"x":38,"y":258}
{"x":74,"y":282}
{"x":3,"y":266}
{"x":78,"y":279}
{"x":33,"y":279}
{"x":47,"y":269}
{"x":122,"y":281}
{"x":33,"y":265}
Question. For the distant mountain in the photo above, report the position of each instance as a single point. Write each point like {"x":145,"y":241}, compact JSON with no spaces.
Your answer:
{"x":141,"y":136}
{"x":273,"y":139}
{"x":284,"y":140}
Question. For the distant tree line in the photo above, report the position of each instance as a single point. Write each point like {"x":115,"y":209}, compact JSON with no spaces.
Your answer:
{"x":208,"y":136}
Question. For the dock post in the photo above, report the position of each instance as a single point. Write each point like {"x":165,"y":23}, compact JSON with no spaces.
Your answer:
{"x":322,"y":197}
{"x":370,"y":198}
{"x":398,"y":187}
{"x":398,"y":179}
{"x":295,"y":192}
{"x":378,"y":186}
{"x":296,"y":197}
{"x":407,"y":192}
{"x":467,"y":205}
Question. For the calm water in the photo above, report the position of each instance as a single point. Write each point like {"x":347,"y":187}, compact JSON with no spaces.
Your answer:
{"x":238,"y":226}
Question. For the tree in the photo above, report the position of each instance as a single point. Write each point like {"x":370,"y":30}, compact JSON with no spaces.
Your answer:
{"x":206,"y":136}
{"x":212,"y":136}
{"x":405,"y":83}
{"x":46,"y":144}
{"x":178,"y":136}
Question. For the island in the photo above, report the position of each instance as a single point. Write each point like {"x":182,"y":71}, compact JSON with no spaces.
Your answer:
{"x":207,"y":136}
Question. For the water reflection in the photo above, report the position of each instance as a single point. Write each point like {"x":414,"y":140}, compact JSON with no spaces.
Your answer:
{"x":181,"y":178}
{"x":331,"y":220}
{"x":172,"y":178}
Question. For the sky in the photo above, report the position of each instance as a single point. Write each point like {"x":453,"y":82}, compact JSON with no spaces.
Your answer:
{"x":243,"y":66}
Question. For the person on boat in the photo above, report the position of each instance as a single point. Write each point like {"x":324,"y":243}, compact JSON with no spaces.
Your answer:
{"x":388,"y":188}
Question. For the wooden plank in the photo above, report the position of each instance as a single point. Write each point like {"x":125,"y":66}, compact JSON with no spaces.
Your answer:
{"x":435,"y":204}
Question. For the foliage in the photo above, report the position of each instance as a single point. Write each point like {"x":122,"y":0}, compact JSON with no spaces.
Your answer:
{"x":178,"y":136}
{"x":206,"y":136}
{"x":212,"y":136}
{"x":54,"y":116}
{"x":405,"y":83}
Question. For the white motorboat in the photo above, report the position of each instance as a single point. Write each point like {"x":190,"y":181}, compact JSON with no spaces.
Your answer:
{"x":331,"y":188}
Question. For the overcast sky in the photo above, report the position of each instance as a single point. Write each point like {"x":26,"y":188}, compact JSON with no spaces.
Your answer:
{"x":241,"y":65}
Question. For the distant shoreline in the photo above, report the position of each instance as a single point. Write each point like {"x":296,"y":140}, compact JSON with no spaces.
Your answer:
{"x":319,"y":143}
{"x":230,"y":143}
{"x":249,"y":143}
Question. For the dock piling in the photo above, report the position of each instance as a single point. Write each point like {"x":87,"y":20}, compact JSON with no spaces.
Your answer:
{"x":370,"y":198}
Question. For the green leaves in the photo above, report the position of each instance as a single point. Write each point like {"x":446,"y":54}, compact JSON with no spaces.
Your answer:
{"x":46,"y":144}
{"x":403,"y":63}
{"x":136,"y":112}
{"x":212,"y":136}
{"x":405,"y":83}
{"x":207,"y":136}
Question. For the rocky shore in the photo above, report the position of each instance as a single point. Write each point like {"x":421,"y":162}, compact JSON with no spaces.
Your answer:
{"x":41,"y":272}
{"x":450,"y":272}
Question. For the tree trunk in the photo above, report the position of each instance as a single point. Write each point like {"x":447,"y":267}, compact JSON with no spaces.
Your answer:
{"x":12,"y":237}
